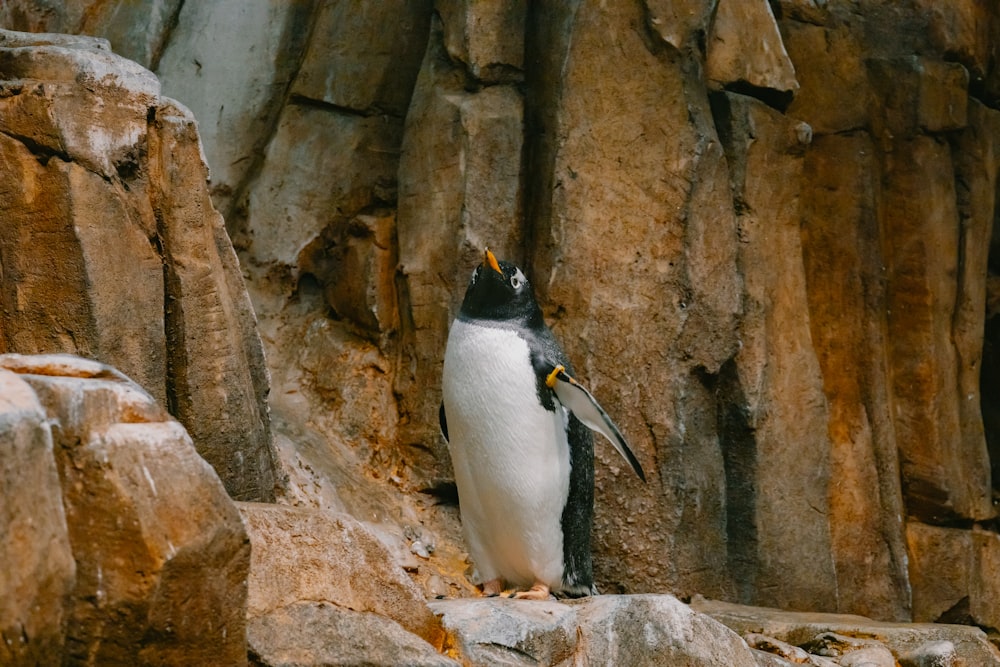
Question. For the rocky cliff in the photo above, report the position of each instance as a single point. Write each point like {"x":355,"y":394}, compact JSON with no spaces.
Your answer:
{"x":762,"y":230}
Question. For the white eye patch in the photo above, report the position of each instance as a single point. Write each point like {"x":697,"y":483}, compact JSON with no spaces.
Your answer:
{"x":517,"y":279}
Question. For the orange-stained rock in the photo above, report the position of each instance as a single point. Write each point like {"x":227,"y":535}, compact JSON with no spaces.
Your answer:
{"x":311,"y":555}
{"x":161,"y":554}
{"x":955,"y":574}
{"x":785,"y":447}
{"x":36,"y":580}
{"x":847,"y":320}
{"x":111,"y":247}
{"x":309,"y":633}
{"x":744,"y":48}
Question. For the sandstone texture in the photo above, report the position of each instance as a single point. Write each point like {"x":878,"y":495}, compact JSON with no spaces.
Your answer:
{"x":762,"y":230}
{"x":111,"y":248}
{"x":121,"y":545}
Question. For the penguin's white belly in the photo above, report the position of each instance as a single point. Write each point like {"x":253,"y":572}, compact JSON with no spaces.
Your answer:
{"x":510,"y":456}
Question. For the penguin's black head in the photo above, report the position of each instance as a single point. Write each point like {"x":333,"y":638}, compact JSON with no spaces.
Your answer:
{"x":499,"y":291}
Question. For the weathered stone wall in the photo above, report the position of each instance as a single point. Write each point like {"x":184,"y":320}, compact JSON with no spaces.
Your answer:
{"x":763,"y":231}
{"x":110,"y":247}
{"x":120,"y":545}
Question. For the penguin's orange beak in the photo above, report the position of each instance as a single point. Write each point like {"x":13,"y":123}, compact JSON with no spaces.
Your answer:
{"x":491,"y":260}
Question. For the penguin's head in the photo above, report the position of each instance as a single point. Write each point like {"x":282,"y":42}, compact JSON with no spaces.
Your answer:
{"x":500,"y":291}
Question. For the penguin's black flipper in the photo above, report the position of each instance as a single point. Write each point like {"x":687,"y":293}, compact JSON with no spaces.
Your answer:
{"x":582,"y":403}
{"x":443,"y":421}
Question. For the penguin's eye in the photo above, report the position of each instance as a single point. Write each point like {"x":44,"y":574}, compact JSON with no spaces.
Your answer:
{"x":515,"y":282}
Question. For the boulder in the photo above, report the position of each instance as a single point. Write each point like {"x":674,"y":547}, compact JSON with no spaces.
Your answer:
{"x":39,"y":573}
{"x":745,"y":51}
{"x":914,"y":641}
{"x":315,"y":556}
{"x":111,"y":176}
{"x":607,"y":629}
{"x":161,"y":553}
{"x":314,"y":634}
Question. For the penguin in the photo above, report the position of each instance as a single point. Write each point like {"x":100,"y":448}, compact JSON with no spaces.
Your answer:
{"x":518,"y":427}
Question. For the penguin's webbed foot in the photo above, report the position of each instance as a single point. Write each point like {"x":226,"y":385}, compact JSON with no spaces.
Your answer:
{"x":539,"y":591}
{"x":492,"y":588}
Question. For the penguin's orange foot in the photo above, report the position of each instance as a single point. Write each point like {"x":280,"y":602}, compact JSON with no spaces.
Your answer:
{"x":539,"y":591}
{"x":492,"y":588}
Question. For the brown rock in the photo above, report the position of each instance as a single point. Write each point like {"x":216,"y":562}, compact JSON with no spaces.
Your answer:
{"x":310,"y":555}
{"x":217,"y":379}
{"x":111,"y":176}
{"x":136,"y":31}
{"x":744,"y":47}
{"x":920,"y":95}
{"x":970,"y":644}
{"x":955,"y":575}
{"x":161,"y":553}
{"x":679,"y":22}
{"x":356,"y":265}
{"x":37,"y":578}
{"x":828,"y":62}
{"x":488,"y":37}
{"x":965,"y":30}
{"x":788,"y":453}
{"x":945,"y":475}
{"x":976,"y":152}
{"x":363,"y":55}
{"x":308,"y":634}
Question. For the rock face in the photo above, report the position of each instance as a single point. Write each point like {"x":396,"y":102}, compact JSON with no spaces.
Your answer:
{"x":763,"y":231}
{"x":610,"y":630}
{"x":111,"y":247}
{"x":149,"y":562}
{"x":841,"y":635}
{"x":325,"y":590}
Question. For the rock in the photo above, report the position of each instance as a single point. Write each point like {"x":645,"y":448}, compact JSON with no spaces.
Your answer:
{"x":136,"y":31}
{"x":39,"y":573}
{"x":921,"y":95}
{"x":364,"y":56}
{"x":773,"y":646}
{"x":608,"y":629}
{"x":939,"y":653}
{"x":970,"y":643}
{"x":851,"y":651}
{"x":111,"y":174}
{"x":955,"y":575}
{"x":784,"y":313}
{"x":308,"y":634}
{"x":828,"y":61}
{"x":488,"y":38}
{"x":784,"y":405}
{"x":230,"y":63}
{"x":287,"y":191}
{"x":161,"y":554}
{"x":679,"y":22}
{"x":744,"y":49}
{"x":309,"y":555}
{"x":844,"y":283}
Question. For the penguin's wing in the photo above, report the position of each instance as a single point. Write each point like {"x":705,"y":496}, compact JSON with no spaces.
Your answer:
{"x":443,"y":421}
{"x":575,"y":397}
